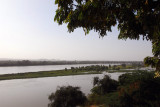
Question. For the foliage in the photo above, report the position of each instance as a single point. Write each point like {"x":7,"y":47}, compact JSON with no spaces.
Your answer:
{"x":153,"y":62}
{"x":67,"y":97}
{"x":142,"y":91}
{"x":90,"y":68}
{"x":96,"y":69}
{"x":107,"y":100}
{"x":105,"y":85}
{"x":41,"y":74}
{"x":95,"y":80}
{"x":50,"y":62}
{"x":134,"y":18}
{"x":115,"y":67}
{"x":131,"y":77}
{"x":136,"y":89}
{"x":123,"y":65}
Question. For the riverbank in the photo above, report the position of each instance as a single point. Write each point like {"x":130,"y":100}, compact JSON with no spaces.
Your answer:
{"x":41,"y":74}
{"x":6,"y":63}
{"x":84,"y":70}
{"x":54,"y":73}
{"x":131,"y":90}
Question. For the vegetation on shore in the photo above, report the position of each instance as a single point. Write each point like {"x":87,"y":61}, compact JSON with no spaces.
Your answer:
{"x":67,"y":96}
{"x":94,"y":69}
{"x":136,"y":89}
{"x":50,"y":62}
{"x":43,"y":74}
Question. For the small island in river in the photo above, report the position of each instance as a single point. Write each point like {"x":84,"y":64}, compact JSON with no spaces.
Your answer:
{"x":94,"y":69}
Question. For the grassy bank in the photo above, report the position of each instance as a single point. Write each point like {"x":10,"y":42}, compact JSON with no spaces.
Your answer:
{"x":114,"y":71}
{"x":44,"y":74}
{"x":93,"y":69}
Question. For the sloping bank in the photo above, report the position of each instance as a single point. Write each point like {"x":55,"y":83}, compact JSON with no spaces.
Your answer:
{"x":41,"y":74}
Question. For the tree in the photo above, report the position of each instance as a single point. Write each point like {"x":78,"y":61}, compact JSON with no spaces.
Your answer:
{"x":67,"y":97}
{"x":139,"y":89}
{"x":105,"y":85}
{"x":123,"y":65}
{"x":134,"y":19}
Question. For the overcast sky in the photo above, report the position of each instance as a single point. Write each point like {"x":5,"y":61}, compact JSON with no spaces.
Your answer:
{"x":28,"y":31}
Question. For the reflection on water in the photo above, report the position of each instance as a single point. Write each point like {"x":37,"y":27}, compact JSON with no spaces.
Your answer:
{"x":34,"y":92}
{"x":21,"y":69}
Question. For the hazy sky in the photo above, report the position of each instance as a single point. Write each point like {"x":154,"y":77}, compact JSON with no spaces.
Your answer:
{"x":28,"y":31}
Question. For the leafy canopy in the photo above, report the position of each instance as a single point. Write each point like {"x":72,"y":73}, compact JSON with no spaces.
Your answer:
{"x":67,"y":96}
{"x":134,"y":18}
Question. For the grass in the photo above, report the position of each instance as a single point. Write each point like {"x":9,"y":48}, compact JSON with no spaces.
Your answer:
{"x":113,"y":71}
{"x":126,"y":67}
{"x":41,"y":74}
{"x":75,"y":71}
{"x":106,"y":100}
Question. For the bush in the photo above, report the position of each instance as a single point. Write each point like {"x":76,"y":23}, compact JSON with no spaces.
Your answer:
{"x":129,"y":78}
{"x":123,"y":65}
{"x":67,"y":97}
{"x":105,"y":85}
{"x":137,"y":89}
{"x":140,"y":89}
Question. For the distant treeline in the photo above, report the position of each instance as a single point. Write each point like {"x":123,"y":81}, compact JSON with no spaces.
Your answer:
{"x":89,"y":68}
{"x":114,"y":68}
{"x":33,"y":63}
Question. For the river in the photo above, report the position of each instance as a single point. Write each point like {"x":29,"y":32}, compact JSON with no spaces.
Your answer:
{"x":22,"y":69}
{"x":35,"y":92}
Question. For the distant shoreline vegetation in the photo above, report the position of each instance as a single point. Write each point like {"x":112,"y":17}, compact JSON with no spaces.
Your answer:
{"x":94,"y":69}
{"x":4,"y":63}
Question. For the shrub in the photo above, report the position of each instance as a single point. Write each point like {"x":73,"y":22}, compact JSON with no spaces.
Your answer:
{"x":105,"y":85}
{"x":67,"y":97}
{"x":139,"y":89}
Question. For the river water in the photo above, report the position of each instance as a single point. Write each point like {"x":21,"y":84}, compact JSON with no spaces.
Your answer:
{"x":35,"y":92}
{"x":22,"y":69}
